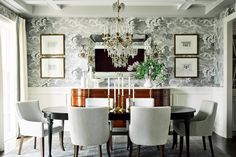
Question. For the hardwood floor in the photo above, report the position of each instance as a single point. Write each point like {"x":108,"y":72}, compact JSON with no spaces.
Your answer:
{"x":228,"y":146}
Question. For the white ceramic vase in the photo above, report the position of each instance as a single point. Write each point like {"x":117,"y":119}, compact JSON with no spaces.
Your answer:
{"x":148,"y":83}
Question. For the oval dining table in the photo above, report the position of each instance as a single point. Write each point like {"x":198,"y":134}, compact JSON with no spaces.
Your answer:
{"x":177,"y":113}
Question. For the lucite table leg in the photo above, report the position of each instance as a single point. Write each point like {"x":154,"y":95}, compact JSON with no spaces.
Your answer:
{"x":187,"y":125}
{"x":50,"y":123}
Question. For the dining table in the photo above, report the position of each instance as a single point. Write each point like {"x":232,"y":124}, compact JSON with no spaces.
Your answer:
{"x":61,"y":113}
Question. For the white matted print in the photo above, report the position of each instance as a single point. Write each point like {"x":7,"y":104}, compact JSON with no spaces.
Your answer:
{"x":52,"y":67}
{"x":52,"y":44}
{"x":186,"y":44}
{"x":186,"y":67}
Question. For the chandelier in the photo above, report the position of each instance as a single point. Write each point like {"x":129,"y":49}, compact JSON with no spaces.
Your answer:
{"x":118,"y":39}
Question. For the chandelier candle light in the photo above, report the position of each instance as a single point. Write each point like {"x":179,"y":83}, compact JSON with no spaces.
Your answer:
{"x":119,"y":42}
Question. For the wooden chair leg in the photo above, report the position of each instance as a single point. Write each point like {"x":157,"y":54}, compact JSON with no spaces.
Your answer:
{"x":108,"y":149}
{"x":162,"y":150}
{"x":130,"y":148}
{"x":35,"y":142}
{"x":204,"y":142}
{"x":76,"y":151}
{"x":21,"y":143}
{"x":110,"y":143}
{"x":42,"y":146}
{"x":181,"y":145}
{"x":61,"y":136}
{"x":175,"y":139}
{"x":138,"y":151}
{"x":211,"y":146}
{"x":100,"y":150}
{"x":127,"y":142}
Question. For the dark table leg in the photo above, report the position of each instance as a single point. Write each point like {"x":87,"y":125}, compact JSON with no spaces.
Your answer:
{"x":50,"y":123}
{"x":187,"y":125}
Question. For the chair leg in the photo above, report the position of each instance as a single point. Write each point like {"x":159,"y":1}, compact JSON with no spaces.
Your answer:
{"x":138,"y":151}
{"x":181,"y":145}
{"x":35,"y":142}
{"x":130,"y":148}
{"x":108,"y":149}
{"x":61,"y":136}
{"x":76,"y":151}
{"x":211,"y":146}
{"x":21,"y":143}
{"x":100,"y":150}
{"x":162,"y":150}
{"x":127,"y":142}
{"x":110,"y":141}
{"x":42,"y":146}
{"x":175,"y":139}
{"x":204,"y":142}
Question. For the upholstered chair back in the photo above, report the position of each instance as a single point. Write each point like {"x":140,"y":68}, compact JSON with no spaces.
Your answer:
{"x":98,"y":102}
{"x":141,"y":102}
{"x":29,"y":110}
{"x":149,"y":125}
{"x":88,"y":126}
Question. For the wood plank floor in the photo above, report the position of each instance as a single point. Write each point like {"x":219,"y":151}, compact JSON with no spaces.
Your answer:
{"x":228,"y":146}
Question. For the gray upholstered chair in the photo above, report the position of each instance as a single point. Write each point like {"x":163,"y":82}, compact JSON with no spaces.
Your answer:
{"x":140,"y":102}
{"x":32,"y":123}
{"x":201,"y":125}
{"x":98,"y":102}
{"x":88,"y":127}
{"x":149,"y":126}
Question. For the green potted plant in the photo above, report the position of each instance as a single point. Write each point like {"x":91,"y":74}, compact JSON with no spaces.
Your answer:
{"x":149,"y":70}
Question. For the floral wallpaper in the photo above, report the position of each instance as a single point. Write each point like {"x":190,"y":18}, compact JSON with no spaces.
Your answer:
{"x":160,"y":29}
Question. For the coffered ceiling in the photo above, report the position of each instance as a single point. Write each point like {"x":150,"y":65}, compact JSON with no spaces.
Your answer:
{"x":102,"y":8}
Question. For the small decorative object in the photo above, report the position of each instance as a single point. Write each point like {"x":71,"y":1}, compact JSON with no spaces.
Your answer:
{"x":186,"y":44}
{"x":186,"y":67}
{"x":150,"y":70}
{"x":52,"y":44}
{"x":83,"y":80}
{"x":52,"y":67}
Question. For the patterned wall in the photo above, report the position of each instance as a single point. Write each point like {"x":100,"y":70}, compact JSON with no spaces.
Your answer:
{"x":162,"y":30}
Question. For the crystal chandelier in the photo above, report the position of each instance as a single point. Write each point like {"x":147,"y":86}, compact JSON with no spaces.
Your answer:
{"x":118,"y":41}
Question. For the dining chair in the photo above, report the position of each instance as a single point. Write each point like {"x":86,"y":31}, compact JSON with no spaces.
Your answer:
{"x":88,"y":127}
{"x":140,"y":102}
{"x":149,"y":126}
{"x":200,"y":125}
{"x":31,"y":123}
{"x":98,"y":102}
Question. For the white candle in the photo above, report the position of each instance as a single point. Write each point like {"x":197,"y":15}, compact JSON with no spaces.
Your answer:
{"x":122,"y":83}
{"x":129,"y":85}
{"x":108,"y":85}
{"x":114,"y":92}
{"x":133,"y":93}
{"x":118,"y":85}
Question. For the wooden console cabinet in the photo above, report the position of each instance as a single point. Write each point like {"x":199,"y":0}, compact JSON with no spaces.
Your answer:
{"x":161,"y":96}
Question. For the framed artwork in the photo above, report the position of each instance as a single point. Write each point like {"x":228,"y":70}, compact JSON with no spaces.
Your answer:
{"x":52,"y":67}
{"x":52,"y":44}
{"x":186,"y":44}
{"x":186,"y":67}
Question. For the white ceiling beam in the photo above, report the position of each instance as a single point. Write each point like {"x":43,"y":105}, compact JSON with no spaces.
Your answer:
{"x":212,"y":6}
{"x":184,"y":6}
{"x":109,"y":2}
{"x":20,"y":5}
{"x":54,"y":5}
